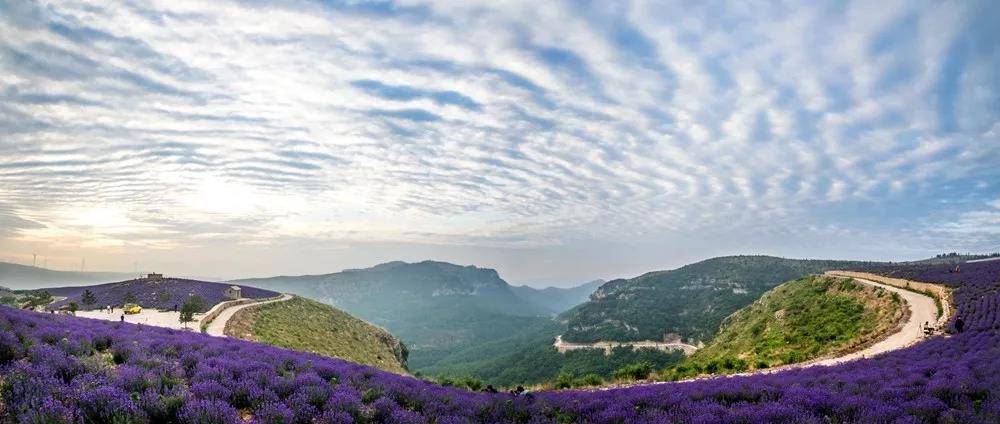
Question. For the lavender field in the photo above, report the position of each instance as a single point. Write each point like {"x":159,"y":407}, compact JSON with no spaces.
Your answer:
{"x":65,"y":369}
{"x":159,"y":294}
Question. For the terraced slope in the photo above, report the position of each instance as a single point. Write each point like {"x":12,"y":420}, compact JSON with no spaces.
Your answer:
{"x":309,"y":326}
{"x":798,"y":321}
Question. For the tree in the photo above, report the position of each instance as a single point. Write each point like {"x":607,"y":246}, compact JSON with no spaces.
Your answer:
{"x":88,"y":297}
{"x":39,"y":298}
{"x":129,"y":297}
{"x":73,"y":307}
{"x":8,"y":300}
{"x":193,"y":305}
{"x":564,"y":380}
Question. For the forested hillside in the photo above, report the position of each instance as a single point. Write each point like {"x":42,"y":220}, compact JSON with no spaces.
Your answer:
{"x":690,"y":301}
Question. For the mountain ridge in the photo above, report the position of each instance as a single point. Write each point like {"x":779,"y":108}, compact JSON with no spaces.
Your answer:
{"x":434,"y":307}
{"x":17,"y":276}
{"x":689,"y":301}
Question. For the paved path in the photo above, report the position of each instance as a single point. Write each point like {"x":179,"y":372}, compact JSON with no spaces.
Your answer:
{"x":564,"y":347}
{"x":923,"y":308}
{"x":218,"y":326}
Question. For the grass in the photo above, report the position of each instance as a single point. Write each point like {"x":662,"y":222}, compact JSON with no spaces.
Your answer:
{"x":305,"y":325}
{"x":797,"y":321}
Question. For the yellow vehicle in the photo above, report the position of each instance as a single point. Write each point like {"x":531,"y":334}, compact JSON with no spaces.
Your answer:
{"x":131,"y":308}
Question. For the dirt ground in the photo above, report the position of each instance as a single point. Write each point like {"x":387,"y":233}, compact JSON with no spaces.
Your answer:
{"x":146,"y":317}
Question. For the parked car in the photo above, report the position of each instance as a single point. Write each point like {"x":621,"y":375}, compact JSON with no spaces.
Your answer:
{"x":132,"y":308}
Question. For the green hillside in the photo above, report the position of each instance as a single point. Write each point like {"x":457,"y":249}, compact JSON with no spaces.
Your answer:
{"x":436,"y":308}
{"x":797,"y":321}
{"x":309,"y":326}
{"x":690,"y":301}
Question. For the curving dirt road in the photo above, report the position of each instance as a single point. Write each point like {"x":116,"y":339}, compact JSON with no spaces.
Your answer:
{"x":218,"y":326}
{"x":923,"y":309}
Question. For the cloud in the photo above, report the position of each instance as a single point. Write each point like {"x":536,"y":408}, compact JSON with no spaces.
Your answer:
{"x":510,"y":124}
{"x":407,"y":93}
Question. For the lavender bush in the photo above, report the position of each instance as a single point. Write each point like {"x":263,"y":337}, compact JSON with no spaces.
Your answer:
{"x":65,"y":369}
{"x":160,"y":294}
{"x":975,"y":287}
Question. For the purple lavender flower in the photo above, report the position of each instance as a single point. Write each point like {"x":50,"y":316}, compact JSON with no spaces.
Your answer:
{"x":208,"y":412}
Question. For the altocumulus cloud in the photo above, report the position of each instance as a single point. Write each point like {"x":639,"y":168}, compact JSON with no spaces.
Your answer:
{"x":514,"y":124}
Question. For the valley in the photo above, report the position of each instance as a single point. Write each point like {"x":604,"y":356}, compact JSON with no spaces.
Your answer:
{"x":446,"y":314}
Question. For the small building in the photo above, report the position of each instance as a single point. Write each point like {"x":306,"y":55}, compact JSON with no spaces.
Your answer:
{"x":233,"y":292}
{"x":154,"y":276}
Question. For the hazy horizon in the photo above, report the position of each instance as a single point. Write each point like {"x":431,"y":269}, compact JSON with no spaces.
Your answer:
{"x":540,"y":284}
{"x":557,"y":142}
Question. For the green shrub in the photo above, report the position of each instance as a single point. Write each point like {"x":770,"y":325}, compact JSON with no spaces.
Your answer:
{"x":589,"y":380}
{"x":637,"y":371}
{"x":564,"y":380}
{"x":470,"y":383}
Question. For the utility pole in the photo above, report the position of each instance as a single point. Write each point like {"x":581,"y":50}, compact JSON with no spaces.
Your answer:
{"x":34,"y":260}
{"x":83,"y":264}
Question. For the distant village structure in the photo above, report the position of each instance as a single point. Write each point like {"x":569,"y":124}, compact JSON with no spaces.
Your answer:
{"x":154,"y":276}
{"x":233,"y":293}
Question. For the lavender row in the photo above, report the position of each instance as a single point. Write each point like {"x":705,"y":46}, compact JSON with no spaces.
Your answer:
{"x":159,"y":294}
{"x":976,"y":287}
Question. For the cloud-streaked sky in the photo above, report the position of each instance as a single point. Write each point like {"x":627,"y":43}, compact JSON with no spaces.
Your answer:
{"x":555,"y":141}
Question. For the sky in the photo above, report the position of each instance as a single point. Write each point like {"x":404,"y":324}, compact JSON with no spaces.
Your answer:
{"x":557,"y":142}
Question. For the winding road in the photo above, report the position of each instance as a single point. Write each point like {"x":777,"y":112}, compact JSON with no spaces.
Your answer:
{"x":607,"y":347}
{"x":218,"y":326}
{"x":923,"y":309}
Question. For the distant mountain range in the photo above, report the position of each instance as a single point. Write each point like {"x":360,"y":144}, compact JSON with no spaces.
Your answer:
{"x":690,"y":301}
{"x":557,"y":299}
{"x":16,"y":276}
{"x":435,"y":307}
